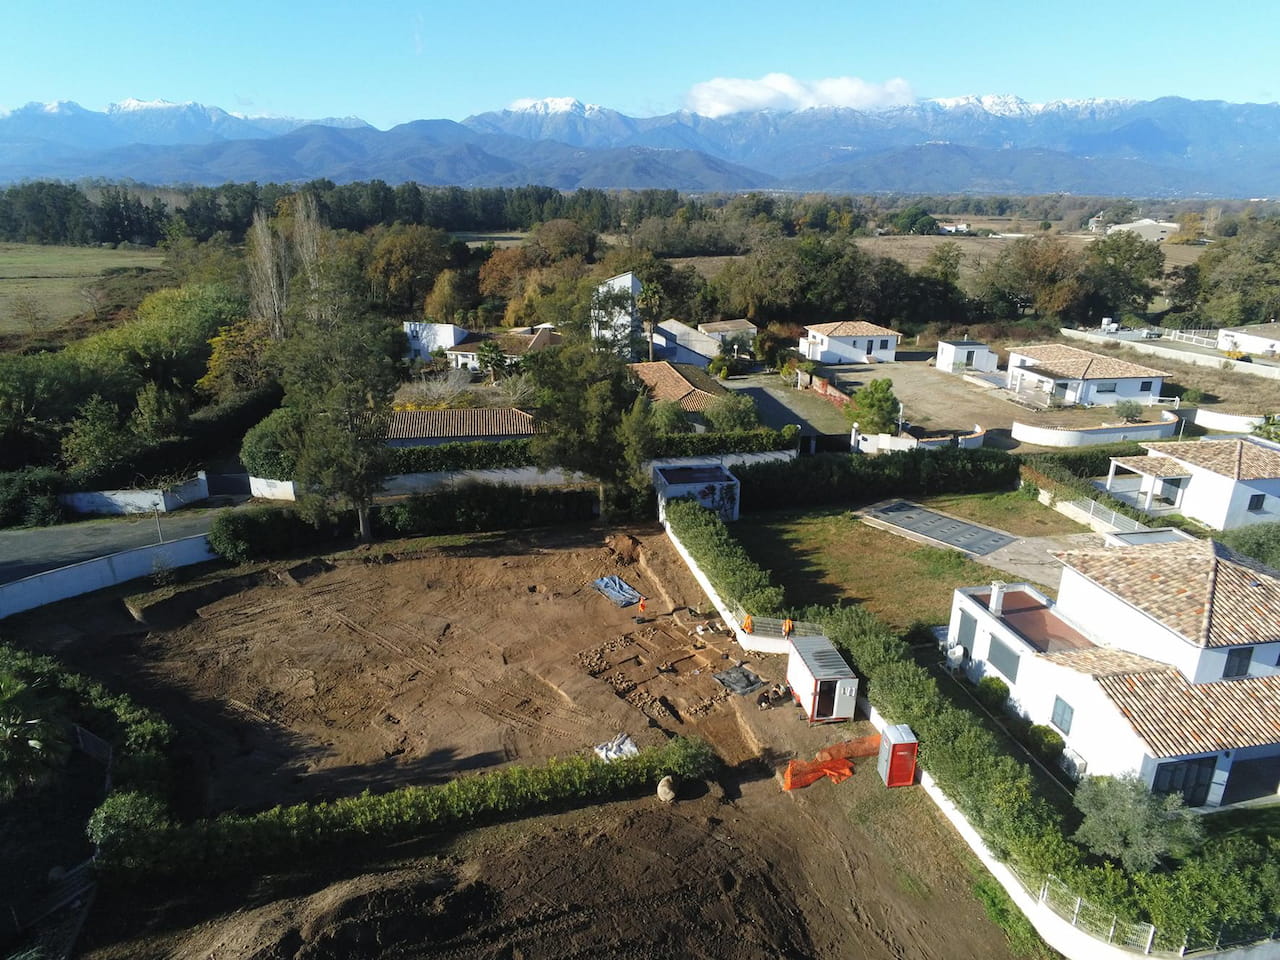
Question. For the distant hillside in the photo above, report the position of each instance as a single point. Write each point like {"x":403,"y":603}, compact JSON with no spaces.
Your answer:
{"x":996,"y":144}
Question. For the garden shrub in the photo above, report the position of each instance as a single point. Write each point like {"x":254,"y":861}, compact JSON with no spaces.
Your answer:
{"x":29,"y":497}
{"x":259,"y":532}
{"x":992,"y":693}
{"x":735,"y":576}
{"x":476,"y":507}
{"x":1046,"y":743}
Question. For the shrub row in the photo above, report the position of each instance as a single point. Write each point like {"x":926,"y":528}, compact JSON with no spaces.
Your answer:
{"x":718,"y":444}
{"x":139,"y":737}
{"x":29,"y":497}
{"x":474,"y":507}
{"x":731,"y":571}
{"x":1232,"y":884}
{"x":259,"y":532}
{"x":844,"y":478}
{"x":137,"y":839}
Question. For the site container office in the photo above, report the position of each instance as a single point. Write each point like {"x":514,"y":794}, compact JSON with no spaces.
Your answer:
{"x":823,"y":683}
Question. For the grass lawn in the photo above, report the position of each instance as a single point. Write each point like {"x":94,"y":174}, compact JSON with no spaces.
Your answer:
{"x":1012,"y":512}
{"x":826,"y":556}
{"x":54,"y":277}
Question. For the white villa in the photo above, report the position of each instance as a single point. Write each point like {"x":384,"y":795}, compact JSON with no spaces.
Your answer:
{"x":1159,"y":660}
{"x":1260,"y":338}
{"x":1223,"y":484}
{"x":1068,"y":375}
{"x":615,"y":318}
{"x":681,"y":343}
{"x":849,"y":341}
{"x":426,"y":338}
{"x":515,"y":344}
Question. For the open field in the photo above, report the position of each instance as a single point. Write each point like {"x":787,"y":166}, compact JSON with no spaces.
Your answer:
{"x":322,"y":678}
{"x":500,"y":239}
{"x":708,"y":267}
{"x":828,"y":556}
{"x":54,"y":277}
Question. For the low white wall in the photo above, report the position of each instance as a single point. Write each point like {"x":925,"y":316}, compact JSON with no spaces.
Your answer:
{"x":138,"y":501}
{"x":1091,"y":436}
{"x":1229,"y":422}
{"x":90,"y":575}
{"x":747,"y":641}
{"x":972,"y":441}
{"x":264,"y":489}
{"x":1182,"y":356}
{"x":402,"y":483}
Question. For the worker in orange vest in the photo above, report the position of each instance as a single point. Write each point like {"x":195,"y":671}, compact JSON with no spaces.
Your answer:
{"x":788,"y":626}
{"x":642,"y":600}
{"x":747,"y":625}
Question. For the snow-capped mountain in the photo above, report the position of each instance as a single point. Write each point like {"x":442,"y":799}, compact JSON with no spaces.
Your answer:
{"x":990,"y":143}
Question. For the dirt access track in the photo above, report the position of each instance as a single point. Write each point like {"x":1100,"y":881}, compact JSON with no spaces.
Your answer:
{"x":319,"y":680}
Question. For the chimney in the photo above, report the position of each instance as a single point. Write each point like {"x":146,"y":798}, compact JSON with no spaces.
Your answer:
{"x":996,"y":603}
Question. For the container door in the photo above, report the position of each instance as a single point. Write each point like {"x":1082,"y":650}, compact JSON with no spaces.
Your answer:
{"x":846,"y":704}
{"x":902,"y":765}
{"x":825,"y":706}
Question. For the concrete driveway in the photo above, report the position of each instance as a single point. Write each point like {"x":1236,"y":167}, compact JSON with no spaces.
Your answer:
{"x":24,"y":552}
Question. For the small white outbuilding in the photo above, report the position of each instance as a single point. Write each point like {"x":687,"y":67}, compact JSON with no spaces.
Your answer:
{"x":963,"y":356}
{"x":823,"y":683}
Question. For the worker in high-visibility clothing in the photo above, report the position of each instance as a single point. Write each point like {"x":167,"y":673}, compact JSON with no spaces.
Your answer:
{"x":788,"y":627}
{"x":747,"y":625}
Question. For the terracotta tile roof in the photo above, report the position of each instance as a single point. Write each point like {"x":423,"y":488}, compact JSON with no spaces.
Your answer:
{"x":513,"y":344}
{"x":1105,"y":661}
{"x":679,"y":383}
{"x":458,"y":424}
{"x":1205,"y":593}
{"x":852,"y":328}
{"x":1237,"y":459}
{"x":1176,"y":718}
{"x":1152,"y":466}
{"x":1072,"y":363}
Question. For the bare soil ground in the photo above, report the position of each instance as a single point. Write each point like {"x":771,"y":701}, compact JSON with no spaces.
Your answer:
{"x":325,"y":679}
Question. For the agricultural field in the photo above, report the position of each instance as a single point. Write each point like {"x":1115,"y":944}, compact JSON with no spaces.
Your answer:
{"x":330,"y":676}
{"x":54,"y":277}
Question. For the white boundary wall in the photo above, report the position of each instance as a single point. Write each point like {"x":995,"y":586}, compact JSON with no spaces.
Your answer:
{"x":138,"y":501}
{"x":1230,"y":422}
{"x":90,"y":575}
{"x":747,"y":641}
{"x":1181,"y":356}
{"x":264,"y":489}
{"x":1091,"y":436}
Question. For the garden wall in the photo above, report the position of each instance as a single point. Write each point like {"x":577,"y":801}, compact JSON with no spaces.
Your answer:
{"x":1091,"y":436}
{"x":1230,"y":422}
{"x":264,"y":489}
{"x":1181,"y":356}
{"x":138,"y":501}
{"x":90,"y":575}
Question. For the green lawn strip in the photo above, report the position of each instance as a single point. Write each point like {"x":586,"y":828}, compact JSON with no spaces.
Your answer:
{"x":1011,"y":512}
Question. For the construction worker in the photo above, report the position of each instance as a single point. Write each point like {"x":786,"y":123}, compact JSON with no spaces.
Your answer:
{"x":788,"y":627}
{"x":747,"y":625}
{"x":642,"y":601}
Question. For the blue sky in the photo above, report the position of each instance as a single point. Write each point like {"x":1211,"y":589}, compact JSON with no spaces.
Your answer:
{"x":394,"y":61}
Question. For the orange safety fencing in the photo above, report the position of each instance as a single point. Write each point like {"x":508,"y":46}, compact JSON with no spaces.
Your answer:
{"x":801,"y":773}
{"x":851,"y":749}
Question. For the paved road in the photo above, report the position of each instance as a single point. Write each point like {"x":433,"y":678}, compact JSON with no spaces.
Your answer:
{"x":24,"y":552}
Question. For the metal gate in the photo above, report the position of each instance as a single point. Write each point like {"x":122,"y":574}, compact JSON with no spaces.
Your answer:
{"x":227,"y":484}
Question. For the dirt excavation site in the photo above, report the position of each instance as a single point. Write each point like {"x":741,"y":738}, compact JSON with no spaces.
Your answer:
{"x":321,"y":679}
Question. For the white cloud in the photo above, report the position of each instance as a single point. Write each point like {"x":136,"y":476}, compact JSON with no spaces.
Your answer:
{"x":780,"y":91}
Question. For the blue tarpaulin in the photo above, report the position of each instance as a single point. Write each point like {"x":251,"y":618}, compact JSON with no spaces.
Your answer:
{"x":617,"y":590}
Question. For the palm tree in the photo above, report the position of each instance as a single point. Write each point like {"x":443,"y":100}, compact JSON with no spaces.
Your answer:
{"x":491,"y":358}
{"x":30,"y":744}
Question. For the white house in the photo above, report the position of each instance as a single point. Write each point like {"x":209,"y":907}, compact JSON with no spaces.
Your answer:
{"x":681,"y":343}
{"x":711,"y":485}
{"x":723,"y":330}
{"x":1056,"y":373}
{"x":515,"y":343}
{"x":426,"y":338}
{"x":849,"y":341}
{"x":1159,"y":660}
{"x":961,"y":356}
{"x":1223,"y":484}
{"x":1260,"y":338}
{"x":1147,"y":228}
{"x":615,"y":318}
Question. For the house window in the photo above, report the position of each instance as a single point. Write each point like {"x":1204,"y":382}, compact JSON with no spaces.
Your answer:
{"x":1003,"y":658}
{"x":1191,"y":778}
{"x":1257,"y":502}
{"x":964,"y":634}
{"x":1105,"y":386}
{"x":884,"y":344}
{"x":1144,"y":386}
{"x":1062,"y":714}
{"x":1238,"y":660}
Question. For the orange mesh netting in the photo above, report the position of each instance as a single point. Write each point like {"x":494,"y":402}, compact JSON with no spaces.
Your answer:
{"x":849,"y":749}
{"x":801,"y":773}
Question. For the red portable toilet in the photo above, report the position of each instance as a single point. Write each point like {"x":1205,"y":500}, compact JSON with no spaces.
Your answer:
{"x":897,"y":763}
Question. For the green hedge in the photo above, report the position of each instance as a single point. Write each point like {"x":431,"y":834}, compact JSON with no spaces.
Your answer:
{"x":29,"y":497}
{"x":736,"y":577}
{"x":843,"y":478}
{"x":475,"y":507}
{"x":1232,"y":883}
{"x":717,"y":444}
{"x":259,"y":532}
{"x":136,"y":839}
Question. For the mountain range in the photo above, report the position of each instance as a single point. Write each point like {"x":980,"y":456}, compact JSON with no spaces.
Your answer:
{"x":992,"y":144}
